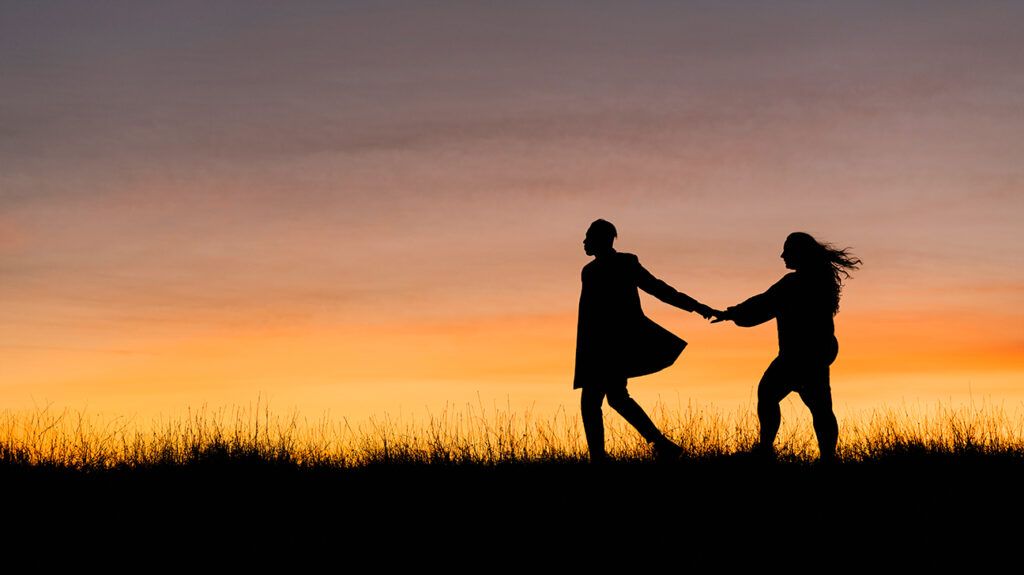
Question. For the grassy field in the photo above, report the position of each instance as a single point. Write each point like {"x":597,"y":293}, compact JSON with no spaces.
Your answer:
{"x":475,"y":436}
{"x":476,"y":475}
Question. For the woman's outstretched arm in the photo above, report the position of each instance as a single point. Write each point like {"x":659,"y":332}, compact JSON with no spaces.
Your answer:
{"x":756,"y":310}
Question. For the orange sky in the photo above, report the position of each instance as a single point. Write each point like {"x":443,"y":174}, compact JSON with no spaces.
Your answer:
{"x":380,"y":208}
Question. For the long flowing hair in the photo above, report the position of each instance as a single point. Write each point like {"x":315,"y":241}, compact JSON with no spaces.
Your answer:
{"x":822,"y":257}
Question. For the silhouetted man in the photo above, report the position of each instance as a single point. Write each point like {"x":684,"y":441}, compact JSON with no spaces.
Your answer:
{"x":616,"y":341}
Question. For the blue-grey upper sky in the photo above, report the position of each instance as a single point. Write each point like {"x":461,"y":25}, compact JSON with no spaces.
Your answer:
{"x":168,"y":168}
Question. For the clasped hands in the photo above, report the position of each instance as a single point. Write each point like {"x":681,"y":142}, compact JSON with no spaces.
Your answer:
{"x":709,"y":312}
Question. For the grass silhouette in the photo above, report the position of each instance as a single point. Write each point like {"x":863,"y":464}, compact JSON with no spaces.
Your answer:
{"x":489,"y":480}
{"x":75,"y":441}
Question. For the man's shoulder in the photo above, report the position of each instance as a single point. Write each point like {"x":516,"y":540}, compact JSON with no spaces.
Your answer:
{"x":624,"y":263}
{"x":626,"y":259}
{"x":618,"y":258}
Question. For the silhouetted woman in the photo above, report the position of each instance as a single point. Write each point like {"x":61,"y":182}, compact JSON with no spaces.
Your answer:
{"x":803,"y":304}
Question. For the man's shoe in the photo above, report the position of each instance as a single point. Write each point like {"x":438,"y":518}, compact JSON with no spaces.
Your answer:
{"x":758,"y":454}
{"x":665,"y":450}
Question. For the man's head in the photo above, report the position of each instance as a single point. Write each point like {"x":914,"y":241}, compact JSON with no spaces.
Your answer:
{"x":599,"y":238}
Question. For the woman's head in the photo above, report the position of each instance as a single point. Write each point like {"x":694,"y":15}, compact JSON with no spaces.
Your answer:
{"x":801,"y":250}
{"x":803,"y":253}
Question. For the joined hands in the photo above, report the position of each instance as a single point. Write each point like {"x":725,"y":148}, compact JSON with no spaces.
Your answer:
{"x":710,"y":312}
{"x":715,"y":315}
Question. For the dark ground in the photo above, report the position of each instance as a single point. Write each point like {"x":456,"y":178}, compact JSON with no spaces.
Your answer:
{"x":919,"y":509}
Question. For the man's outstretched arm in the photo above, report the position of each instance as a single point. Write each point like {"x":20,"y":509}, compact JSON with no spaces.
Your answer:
{"x":668,"y":294}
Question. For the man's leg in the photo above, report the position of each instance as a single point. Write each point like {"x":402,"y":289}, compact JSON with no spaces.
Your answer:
{"x":630,"y":410}
{"x":593,"y":422}
{"x":816,"y":394}
{"x":773,"y":388}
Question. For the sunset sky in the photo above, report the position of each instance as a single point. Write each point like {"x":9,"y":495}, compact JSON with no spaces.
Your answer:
{"x":379,"y":207}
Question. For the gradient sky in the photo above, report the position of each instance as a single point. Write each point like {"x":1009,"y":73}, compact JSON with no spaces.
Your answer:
{"x":379,"y":207}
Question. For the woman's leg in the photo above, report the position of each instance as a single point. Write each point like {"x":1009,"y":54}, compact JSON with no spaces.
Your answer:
{"x":593,"y":422}
{"x":773,"y":388}
{"x":816,"y":394}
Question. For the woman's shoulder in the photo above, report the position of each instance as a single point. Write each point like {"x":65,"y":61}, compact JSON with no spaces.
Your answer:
{"x":787,"y":282}
{"x":793,"y":287}
{"x":802,"y":288}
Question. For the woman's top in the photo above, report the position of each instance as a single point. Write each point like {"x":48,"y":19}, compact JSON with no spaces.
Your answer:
{"x":801,"y":304}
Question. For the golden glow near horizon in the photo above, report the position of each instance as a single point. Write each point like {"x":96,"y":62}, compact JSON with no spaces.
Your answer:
{"x":198,"y":209}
